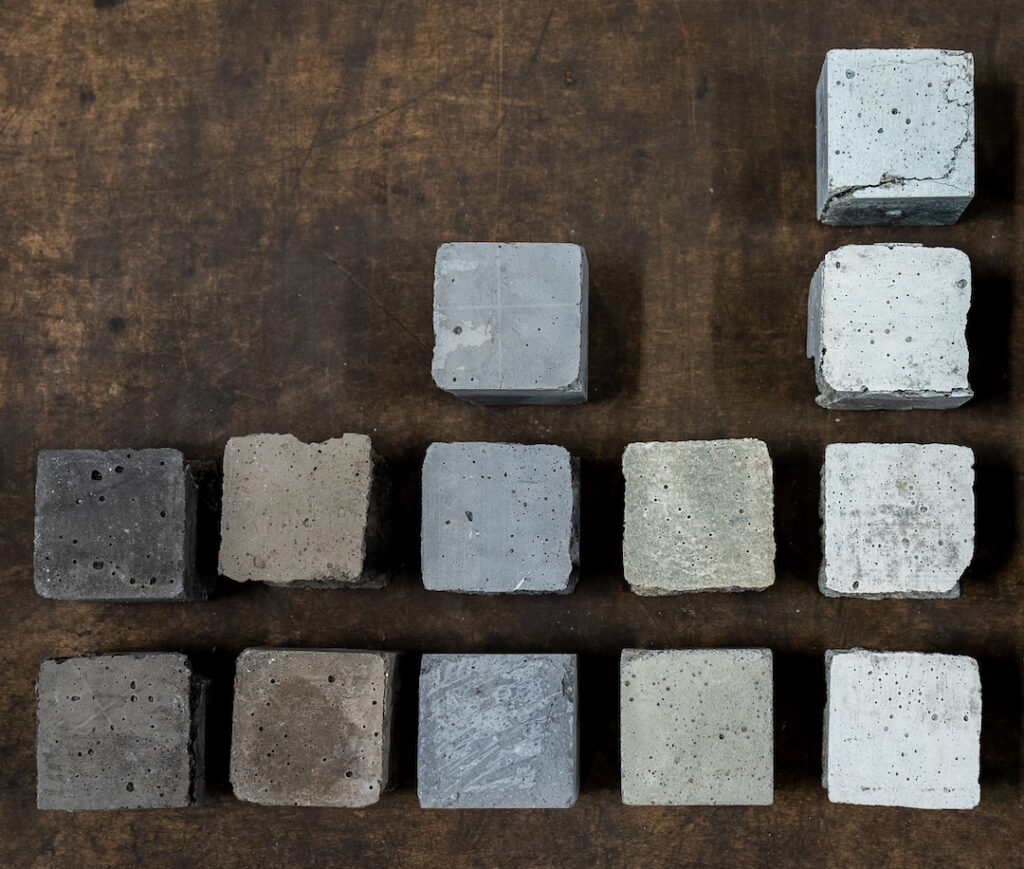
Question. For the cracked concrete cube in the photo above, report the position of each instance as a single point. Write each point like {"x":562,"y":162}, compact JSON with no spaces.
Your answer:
{"x":500,"y":518}
{"x":696,"y":727}
{"x":886,"y":327}
{"x":312,"y":727}
{"x":902,"y":729}
{"x":303,"y":514}
{"x":120,"y":732}
{"x":498,"y":732}
{"x":895,"y":136}
{"x":510,"y":322}
{"x":118,"y":525}
{"x":897,"y":519}
{"x":698,"y":516}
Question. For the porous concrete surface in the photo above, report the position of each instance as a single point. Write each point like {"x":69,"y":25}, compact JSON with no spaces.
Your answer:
{"x":304,"y":514}
{"x":696,"y":727}
{"x":895,"y":136}
{"x":886,"y":327}
{"x":510,"y":322}
{"x":698,"y":517}
{"x":897,"y":520}
{"x":500,"y":518}
{"x":117,"y":525}
{"x":498,"y":732}
{"x":120,"y":732}
{"x":312,"y":727}
{"x":902,"y":729}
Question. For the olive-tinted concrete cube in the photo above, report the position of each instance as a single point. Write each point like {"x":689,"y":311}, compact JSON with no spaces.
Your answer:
{"x":116,"y":526}
{"x":120,"y":732}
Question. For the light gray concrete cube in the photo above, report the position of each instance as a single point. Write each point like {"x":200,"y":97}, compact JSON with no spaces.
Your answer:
{"x":699,"y":516}
{"x":886,"y":327}
{"x":895,"y":136}
{"x":498,"y":732}
{"x":510,"y":322}
{"x":696,"y":727}
{"x":897,"y":520}
{"x":902,"y":729}
{"x":500,"y":518}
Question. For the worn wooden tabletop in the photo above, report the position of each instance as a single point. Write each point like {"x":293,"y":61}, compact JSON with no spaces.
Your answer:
{"x":219,"y":217}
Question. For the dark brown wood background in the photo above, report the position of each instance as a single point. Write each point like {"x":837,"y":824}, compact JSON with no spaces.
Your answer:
{"x":219,"y":217}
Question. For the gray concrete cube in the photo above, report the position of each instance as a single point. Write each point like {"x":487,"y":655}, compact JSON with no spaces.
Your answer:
{"x":510,"y":322}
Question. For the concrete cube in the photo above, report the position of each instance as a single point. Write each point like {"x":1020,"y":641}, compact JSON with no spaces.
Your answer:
{"x":886,"y":327}
{"x":303,"y":514}
{"x":116,"y":526}
{"x":500,"y":518}
{"x":902,"y":729}
{"x":698,"y":516}
{"x":895,"y":136}
{"x":312,"y":727}
{"x":897,"y":520}
{"x":696,"y":727}
{"x":120,"y":732}
{"x":510,"y":322}
{"x":498,"y":732}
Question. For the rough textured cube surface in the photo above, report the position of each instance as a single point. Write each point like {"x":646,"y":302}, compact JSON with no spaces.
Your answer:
{"x":120,"y":732}
{"x":498,"y":731}
{"x":510,"y":322}
{"x":696,"y":727}
{"x":500,"y":518}
{"x":902,"y":729}
{"x":303,"y":514}
{"x":897,"y":519}
{"x":117,"y":526}
{"x":895,"y":136}
{"x":698,"y":516}
{"x":886,"y":327}
{"x":312,"y":727}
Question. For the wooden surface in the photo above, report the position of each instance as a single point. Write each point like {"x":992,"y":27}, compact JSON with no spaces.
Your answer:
{"x":219,"y":218}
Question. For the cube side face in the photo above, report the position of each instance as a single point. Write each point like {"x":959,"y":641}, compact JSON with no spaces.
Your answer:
{"x":697,"y":727}
{"x":699,"y":516}
{"x":498,"y":731}
{"x":903,"y":729}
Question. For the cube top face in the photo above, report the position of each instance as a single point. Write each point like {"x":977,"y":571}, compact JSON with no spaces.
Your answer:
{"x":115,"y":526}
{"x":510,"y":322}
{"x":897,"y":519}
{"x":887,"y":327}
{"x":498,"y":731}
{"x":699,"y":516}
{"x":115,"y":732}
{"x":696,"y":727}
{"x":312,"y":727}
{"x":902,"y":729}
{"x":895,"y":136}
{"x":500,"y":518}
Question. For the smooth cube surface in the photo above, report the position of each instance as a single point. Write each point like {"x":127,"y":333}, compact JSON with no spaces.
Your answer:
{"x":497,"y":731}
{"x":500,"y":518}
{"x":895,"y":136}
{"x":312,"y":727}
{"x":886,"y":327}
{"x":698,"y":517}
{"x":897,"y":519}
{"x":116,"y":525}
{"x":120,"y":732}
{"x":510,"y":322}
{"x":902,"y":729}
{"x":696,"y":727}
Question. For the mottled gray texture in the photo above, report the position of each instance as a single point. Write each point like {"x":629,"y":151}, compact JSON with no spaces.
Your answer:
{"x":120,"y":731}
{"x":498,"y":731}
{"x":500,"y":518}
{"x":510,"y":322}
{"x":115,"y":526}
